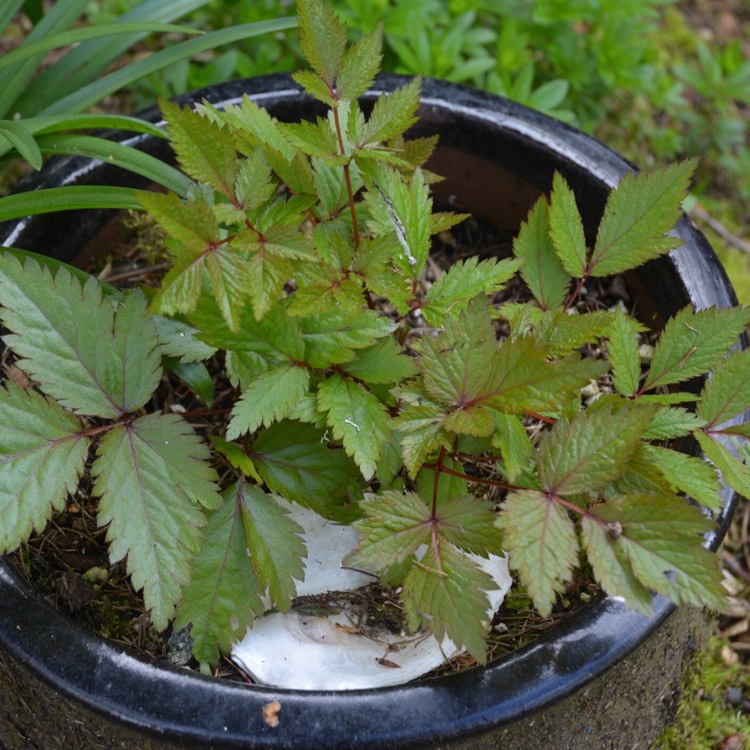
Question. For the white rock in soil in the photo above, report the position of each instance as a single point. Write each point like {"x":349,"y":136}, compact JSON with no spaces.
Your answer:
{"x":307,"y":651}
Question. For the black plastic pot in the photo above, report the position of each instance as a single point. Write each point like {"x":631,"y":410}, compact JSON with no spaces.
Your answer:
{"x":606,"y":678}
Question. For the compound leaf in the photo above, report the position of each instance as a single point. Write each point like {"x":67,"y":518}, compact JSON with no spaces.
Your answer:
{"x":205,"y":150}
{"x":587,"y":452}
{"x":295,"y":461}
{"x":151,"y":475}
{"x":735,"y":473}
{"x":542,"y":270}
{"x":224,"y":594}
{"x":622,"y":346}
{"x":395,"y":525}
{"x":275,"y":543}
{"x":322,"y":38}
{"x":393,"y":114}
{"x":357,"y":418}
{"x":692,"y":343}
{"x":661,"y":540}
{"x":610,"y":566}
{"x":93,"y":356}
{"x":727,"y":393}
{"x":566,"y":228}
{"x":360,"y":64}
{"x":383,"y":363}
{"x":447,"y":589}
{"x":639,"y":213}
{"x":689,"y":474}
{"x":469,"y":524}
{"x":541,"y":542}
{"x":269,"y":398}
{"x":462,"y":282}
{"x":42,"y":457}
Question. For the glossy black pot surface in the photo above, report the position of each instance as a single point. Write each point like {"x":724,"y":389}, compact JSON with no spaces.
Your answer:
{"x":605,"y":678}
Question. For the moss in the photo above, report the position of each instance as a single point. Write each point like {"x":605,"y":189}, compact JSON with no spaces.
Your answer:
{"x":705,"y":717}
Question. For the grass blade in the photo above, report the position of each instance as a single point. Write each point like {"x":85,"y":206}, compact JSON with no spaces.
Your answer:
{"x":120,"y":155}
{"x":73,"y":36}
{"x":97,"y":90}
{"x":8,"y":12}
{"x":68,"y":198}
{"x":81,"y":65}
{"x":13,"y":80}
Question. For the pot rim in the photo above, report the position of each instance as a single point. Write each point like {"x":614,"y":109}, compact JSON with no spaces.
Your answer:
{"x":164,"y":701}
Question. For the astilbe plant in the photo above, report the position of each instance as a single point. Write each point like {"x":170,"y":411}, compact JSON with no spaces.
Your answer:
{"x":299,"y":256}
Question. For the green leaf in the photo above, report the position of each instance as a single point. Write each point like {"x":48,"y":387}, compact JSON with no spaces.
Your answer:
{"x":639,"y":213}
{"x":733,"y":471}
{"x":689,"y":474}
{"x":275,"y":543}
{"x":422,"y":425}
{"x":314,"y":85}
{"x":383,"y":363}
{"x":393,"y":114}
{"x":541,"y":269}
{"x":178,"y":339}
{"x":333,"y":337}
{"x":563,"y":333}
{"x":22,"y":140}
{"x":151,"y":475}
{"x":275,"y":336}
{"x":68,"y":198}
{"x":295,"y":461}
{"x":322,"y":38}
{"x":357,"y":418}
{"x":195,"y":375}
{"x":235,"y":454}
{"x":692,"y":343}
{"x":223,"y":596}
{"x":91,"y":356}
{"x":42,"y":457}
{"x":447,"y":590}
{"x":662,"y":541}
{"x":672,"y":422}
{"x":727,"y":393}
{"x":394,"y":526}
{"x":462,"y":282}
{"x":611,"y":568}
{"x":525,"y":380}
{"x":542,"y":545}
{"x":622,"y":346}
{"x":254,"y":124}
{"x":191,"y":225}
{"x":408,"y":208}
{"x":270,"y":398}
{"x":586,"y":453}
{"x":511,"y":438}
{"x":360,"y":64}
{"x":316,"y":139}
{"x":205,"y":150}
{"x":469,"y":524}
{"x":566,"y":228}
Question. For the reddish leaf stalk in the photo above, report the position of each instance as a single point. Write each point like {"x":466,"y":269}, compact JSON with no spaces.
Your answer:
{"x":347,"y":178}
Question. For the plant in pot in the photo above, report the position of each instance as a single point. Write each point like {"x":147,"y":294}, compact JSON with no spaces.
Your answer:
{"x":445,"y":413}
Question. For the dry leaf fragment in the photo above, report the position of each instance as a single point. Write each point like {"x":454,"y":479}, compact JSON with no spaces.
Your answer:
{"x":271,"y":713}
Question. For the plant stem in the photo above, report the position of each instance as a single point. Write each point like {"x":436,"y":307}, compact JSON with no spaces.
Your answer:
{"x":347,"y":178}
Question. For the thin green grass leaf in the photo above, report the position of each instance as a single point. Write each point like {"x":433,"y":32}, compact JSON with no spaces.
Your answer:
{"x":119,"y":155}
{"x":90,"y":94}
{"x":68,"y":198}
{"x":23,"y":141}
{"x":74,"y":36}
